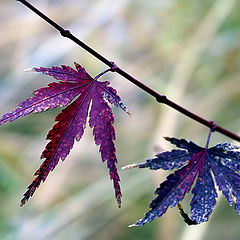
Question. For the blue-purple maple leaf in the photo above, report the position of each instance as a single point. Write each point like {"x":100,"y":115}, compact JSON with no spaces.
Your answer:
{"x":71,"y":122}
{"x":194,"y":162}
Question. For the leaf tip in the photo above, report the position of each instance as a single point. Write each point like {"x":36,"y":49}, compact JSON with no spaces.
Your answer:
{"x":186,"y":218}
{"x":132,"y":225}
{"x":167,"y":138}
{"x":78,"y":67}
{"x":129,"y":113}
{"x":119,"y":202}
{"x":30,"y":69}
{"x":134,"y":165}
{"x":23,"y":201}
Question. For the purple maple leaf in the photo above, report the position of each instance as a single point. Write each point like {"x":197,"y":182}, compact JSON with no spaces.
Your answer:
{"x":194,"y":163}
{"x":71,"y":122}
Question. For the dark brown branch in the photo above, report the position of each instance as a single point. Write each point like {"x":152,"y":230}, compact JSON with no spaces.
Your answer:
{"x":160,"y":98}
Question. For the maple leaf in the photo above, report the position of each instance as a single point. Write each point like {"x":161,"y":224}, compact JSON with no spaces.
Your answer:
{"x":71,"y":122}
{"x":198,"y":163}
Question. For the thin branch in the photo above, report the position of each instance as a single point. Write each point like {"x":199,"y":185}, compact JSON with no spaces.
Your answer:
{"x":160,"y":98}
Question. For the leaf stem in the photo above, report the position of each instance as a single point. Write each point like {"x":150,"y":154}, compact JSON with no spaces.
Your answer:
{"x":102,"y":73}
{"x":212,"y":129}
{"x":113,"y":67}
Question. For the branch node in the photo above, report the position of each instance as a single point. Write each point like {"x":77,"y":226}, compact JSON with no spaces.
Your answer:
{"x":214,"y":126}
{"x":114,"y":67}
{"x":65,"y":33}
{"x":161,"y":99}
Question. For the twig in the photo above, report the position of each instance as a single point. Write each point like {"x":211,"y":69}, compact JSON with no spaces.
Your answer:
{"x":160,"y":98}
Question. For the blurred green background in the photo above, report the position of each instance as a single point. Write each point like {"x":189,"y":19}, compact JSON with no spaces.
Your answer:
{"x":188,"y":50}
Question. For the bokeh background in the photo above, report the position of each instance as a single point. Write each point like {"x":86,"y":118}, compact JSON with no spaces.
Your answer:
{"x":188,"y":50}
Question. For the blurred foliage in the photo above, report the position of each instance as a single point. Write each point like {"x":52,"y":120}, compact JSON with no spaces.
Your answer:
{"x":188,"y":50}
